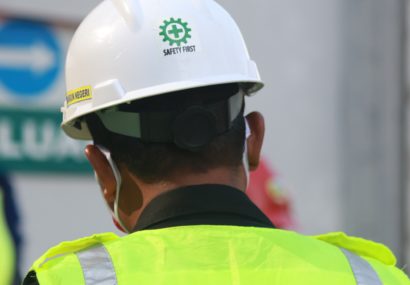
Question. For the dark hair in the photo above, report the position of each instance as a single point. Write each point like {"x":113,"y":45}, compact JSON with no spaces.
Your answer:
{"x":153,"y":162}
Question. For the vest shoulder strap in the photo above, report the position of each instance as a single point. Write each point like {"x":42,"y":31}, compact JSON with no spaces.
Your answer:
{"x":75,"y":246}
{"x":360,"y":246}
{"x":371,"y":263}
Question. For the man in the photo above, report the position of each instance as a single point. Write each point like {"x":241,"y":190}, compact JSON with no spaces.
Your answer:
{"x":159,"y":87}
{"x":10,"y":239}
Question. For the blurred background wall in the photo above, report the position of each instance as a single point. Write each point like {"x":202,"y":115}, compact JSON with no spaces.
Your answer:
{"x":334,"y":104}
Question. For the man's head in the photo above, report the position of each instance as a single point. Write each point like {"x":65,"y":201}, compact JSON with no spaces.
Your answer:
{"x":151,"y":168}
{"x":160,"y":86}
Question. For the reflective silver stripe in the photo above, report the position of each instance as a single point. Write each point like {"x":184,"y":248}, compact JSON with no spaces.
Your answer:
{"x":97,"y":266}
{"x":362,"y":270}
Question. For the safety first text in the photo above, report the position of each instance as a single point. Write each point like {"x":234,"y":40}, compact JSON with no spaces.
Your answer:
{"x":179,"y":50}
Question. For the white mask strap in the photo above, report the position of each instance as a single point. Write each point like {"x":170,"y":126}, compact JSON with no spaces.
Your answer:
{"x":118,"y":180}
{"x":245,"y":161}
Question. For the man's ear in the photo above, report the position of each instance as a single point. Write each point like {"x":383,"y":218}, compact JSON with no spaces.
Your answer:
{"x":103,"y":171}
{"x":255,"y":140}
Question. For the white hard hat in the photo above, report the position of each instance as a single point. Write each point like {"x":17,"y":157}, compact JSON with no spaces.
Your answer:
{"x":127,"y":50}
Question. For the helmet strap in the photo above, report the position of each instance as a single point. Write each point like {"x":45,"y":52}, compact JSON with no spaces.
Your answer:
{"x":191,"y":128}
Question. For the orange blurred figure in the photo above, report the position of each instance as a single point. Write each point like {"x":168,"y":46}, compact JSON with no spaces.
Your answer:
{"x":265,"y":191}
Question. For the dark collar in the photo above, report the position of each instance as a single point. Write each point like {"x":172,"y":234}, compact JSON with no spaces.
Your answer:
{"x":201,"y":205}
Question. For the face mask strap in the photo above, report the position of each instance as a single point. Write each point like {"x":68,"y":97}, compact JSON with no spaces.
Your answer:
{"x":245,"y":161}
{"x":118,"y":180}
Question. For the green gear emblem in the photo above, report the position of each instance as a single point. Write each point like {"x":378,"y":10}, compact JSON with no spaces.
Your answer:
{"x":175,"y":32}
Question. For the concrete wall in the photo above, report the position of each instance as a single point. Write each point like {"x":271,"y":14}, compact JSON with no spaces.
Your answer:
{"x":372,"y":120}
{"x":70,"y":12}
{"x":303,"y":56}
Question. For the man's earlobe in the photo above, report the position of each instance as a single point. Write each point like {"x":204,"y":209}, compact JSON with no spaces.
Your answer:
{"x":256,"y":124}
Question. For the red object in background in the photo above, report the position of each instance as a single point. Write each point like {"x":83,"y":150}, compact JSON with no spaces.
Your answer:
{"x":270,"y":197}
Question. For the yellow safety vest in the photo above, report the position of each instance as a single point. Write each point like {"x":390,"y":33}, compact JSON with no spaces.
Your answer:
{"x":7,"y":254}
{"x":219,"y":255}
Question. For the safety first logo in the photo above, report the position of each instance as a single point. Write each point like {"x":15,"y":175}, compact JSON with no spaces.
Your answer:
{"x":176,"y":32}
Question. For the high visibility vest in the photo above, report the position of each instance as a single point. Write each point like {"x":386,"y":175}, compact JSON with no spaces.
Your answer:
{"x":7,"y":254}
{"x":219,"y":255}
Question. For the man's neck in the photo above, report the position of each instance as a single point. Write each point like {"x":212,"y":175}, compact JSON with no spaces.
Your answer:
{"x":221,"y":176}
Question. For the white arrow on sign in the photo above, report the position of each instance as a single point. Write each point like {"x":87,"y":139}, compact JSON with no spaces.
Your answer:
{"x":38,"y":57}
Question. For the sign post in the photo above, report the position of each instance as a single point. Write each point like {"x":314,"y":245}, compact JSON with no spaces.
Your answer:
{"x":31,"y":92}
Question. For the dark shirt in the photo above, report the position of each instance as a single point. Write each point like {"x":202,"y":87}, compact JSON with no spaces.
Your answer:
{"x":202,"y":205}
{"x":196,"y":205}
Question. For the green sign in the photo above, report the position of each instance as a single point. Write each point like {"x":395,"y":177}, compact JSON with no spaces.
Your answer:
{"x":33,"y":141}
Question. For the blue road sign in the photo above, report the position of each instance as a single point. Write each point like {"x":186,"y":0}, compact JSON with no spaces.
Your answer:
{"x":30,"y":57}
